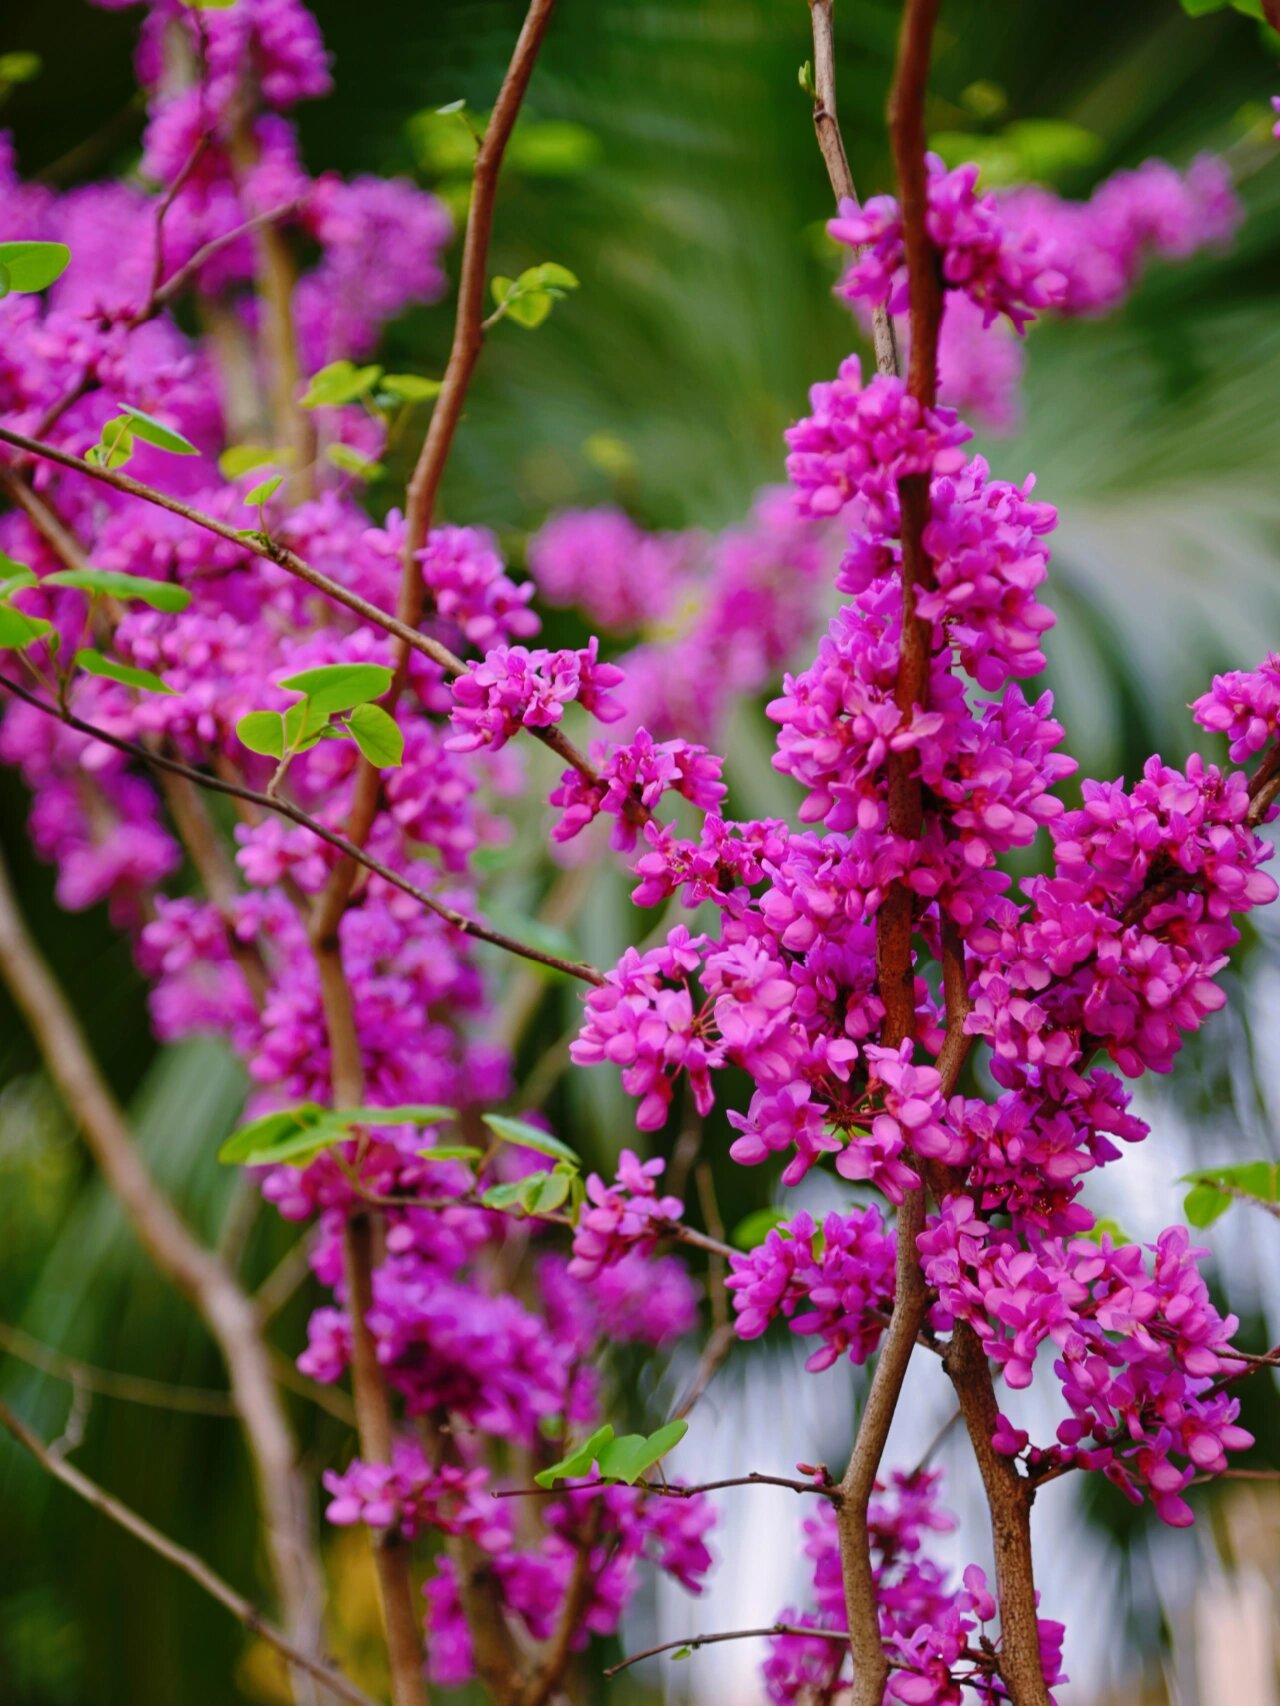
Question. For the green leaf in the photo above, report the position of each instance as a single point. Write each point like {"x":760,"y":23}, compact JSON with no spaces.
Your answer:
{"x":33,"y":266}
{"x":114,"y":448}
{"x":1199,"y":8}
{"x":244,"y":458}
{"x":16,"y":576}
{"x":299,"y":1148}
{"x":111,"y":583}
{"x":1106,"y":1228}
{"x":512,"y":1192}
{"x":20,"y":67}
{"x":262,"y":732}
{"x":154,"y":432}
{"x":755,"y":1227}
{"x":208,"y":5}
{"x":501,"y":288}
{"x":340,"y":686}
{"x":528,"y":1136}
{"x":627,"y":1459}
{"x":378,"y":736}
{"x":18,"y":630}
{"x":452,"y":1152}
{"x":350,"y":461}
{"x":270,"y":1129}
{"x":577,"y":1463}
{"x":304,"y":726}
{"x":413,"y":1113}
{"x":550,"y":1195}
{"x":338,"y":383}
{"x":410,"y":387}
{"x":1204,"y":1205}
{"x":265,"y":489}
{"x":1206,"y":1202}
{"x":530,"y":310}
{"x":93,"y":663}
{"x":1250,"y":8}
{"x":549,"y":276}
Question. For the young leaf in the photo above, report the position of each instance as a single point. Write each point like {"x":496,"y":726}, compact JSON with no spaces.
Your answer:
{"x":262,"y":732}
{"x":270,"y":1129}
{"x":114,"y":448}
{"x":93,"y":663}
{"x":340,"y":686}
{"x":154,"y":432}
{"x":1207,"y":1202}
{"x":626,"y":1459}
{"x":529,"y":309}
{"x":529,"y":1137}
{"x":512,"y":1192}
{"x":304,"y":726}
{"x":410,"y":388}
{"x":501,"y":288}
{"x":552,"y":1190}
{"x":258,"y":495}
{"x":549,"y":276}
{"x":350,"y":461}
{"x":452,"y":1152}
{"x":378,"y":736}
{"x":414,"y":1113}
{"x":20,"y":67}
{"x":111,"y":583}
{"x":33,"y":266}
{"x":18,"y":630}
{"x":552,"y":148}
{"x":340,"y":382}
{"x":577,"y":1462}
{"x":300,"y":1147}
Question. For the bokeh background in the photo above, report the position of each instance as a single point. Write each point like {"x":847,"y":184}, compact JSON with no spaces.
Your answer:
{"x":675,"y":172}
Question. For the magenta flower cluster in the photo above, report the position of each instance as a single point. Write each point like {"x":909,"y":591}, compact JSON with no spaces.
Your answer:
{"x":513,"y":687}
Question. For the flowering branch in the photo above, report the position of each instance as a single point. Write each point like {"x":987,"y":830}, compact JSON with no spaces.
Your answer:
{"x":693,"y":1642}
{"x":334,"y":838}
{"x":195,"y":1568}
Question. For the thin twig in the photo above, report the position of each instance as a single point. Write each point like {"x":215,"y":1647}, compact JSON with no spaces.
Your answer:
{"x":285,"y":808}
{"x":190,"y":1565}
{"x":668,"y":1490}
{"x":826,"y":124}
{"x":693,"y":1642}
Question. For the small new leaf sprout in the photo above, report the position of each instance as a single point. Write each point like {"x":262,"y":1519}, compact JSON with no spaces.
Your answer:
{"x":30,"y":266}
{"x":259,"y":494}
{"x":617,"y":1459}
{"x":378,"y":736}
{"x":94,"y":663}
{"x":350,"y":461}
{"x":114,"y":446}
{"x":527,"y":1136}
{"x":113,"y":583}
{"x":805,"y":79}
{"x":529,"y":299}
{"x":338,"y":383}
{"x":156,"y":433}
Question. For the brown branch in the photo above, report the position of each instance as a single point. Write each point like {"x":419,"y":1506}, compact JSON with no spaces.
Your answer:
{"x":196,"y":1271}
{"x":373,"y":1419}
{"x":666,"y":1490}
{"x":559,"y":1649}
{"x":285,"y":808}
{"x":826,"y":125}
{"x":693,"y":1642}
{"x":195,"y":1568}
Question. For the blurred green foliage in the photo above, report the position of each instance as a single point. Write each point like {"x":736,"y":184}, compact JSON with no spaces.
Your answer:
{"x":667,"y":159}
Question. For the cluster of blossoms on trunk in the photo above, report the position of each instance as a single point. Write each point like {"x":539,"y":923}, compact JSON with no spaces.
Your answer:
{"x":1113,"y":953}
